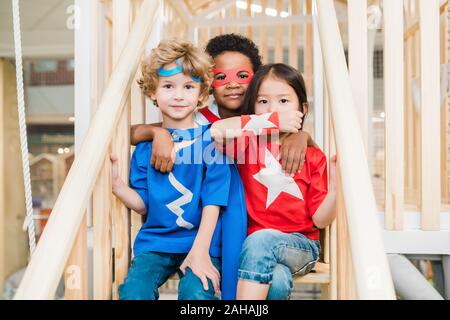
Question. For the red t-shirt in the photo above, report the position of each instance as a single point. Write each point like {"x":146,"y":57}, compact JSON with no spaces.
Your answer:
{"x":277,"y":201}
{"x":274,"y":200}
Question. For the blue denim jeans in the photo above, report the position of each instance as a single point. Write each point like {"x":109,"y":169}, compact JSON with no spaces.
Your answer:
{"x":272,"y":256}
{"x":150,"y":270}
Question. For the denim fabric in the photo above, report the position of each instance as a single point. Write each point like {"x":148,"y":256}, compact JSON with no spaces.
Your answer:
{"x":272,"y":256}
{"x":149,"y":270}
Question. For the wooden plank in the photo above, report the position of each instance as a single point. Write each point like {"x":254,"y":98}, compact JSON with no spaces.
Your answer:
{"x":430,"y":113}
{"x":101,"y":195}
{"x":102,"y":248}
{"x":445,"y":108}
{"x":308,"y":50}
{"x":121,"y":147}
{"x":249,"y":28}
{"x":278,"y":43}
{"x":76,"y":272}
{"x":358,"y":62}
{"x":394,"y":105}
{"x":13,"y":240}
{"x":293,"y":36}
{"x":264,"y":37}
{"x":319,"y":275}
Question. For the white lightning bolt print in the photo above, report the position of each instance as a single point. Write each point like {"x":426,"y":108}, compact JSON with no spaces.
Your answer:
{"x":175,"y":206}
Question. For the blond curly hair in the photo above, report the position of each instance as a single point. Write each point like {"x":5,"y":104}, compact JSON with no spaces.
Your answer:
{"x":195,"y":63}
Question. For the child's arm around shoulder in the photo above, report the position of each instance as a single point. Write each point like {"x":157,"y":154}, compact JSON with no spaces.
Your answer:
{"x":286,"y":121}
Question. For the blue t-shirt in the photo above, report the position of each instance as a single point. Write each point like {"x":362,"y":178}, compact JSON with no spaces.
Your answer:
{"x":174,"y":201}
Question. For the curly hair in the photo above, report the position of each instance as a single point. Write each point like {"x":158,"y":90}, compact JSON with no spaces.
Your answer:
{"x":195,"y":63}
{"x":235,"y":42}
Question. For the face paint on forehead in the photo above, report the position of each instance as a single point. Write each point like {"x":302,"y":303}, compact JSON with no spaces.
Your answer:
{"x":232,"y":75}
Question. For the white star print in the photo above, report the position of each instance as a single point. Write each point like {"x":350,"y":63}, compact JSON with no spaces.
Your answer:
{"x":258,"y":123}
{"x":276,"y":182}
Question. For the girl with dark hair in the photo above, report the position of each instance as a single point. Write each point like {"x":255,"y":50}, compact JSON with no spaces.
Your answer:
{"x":285,"y":212}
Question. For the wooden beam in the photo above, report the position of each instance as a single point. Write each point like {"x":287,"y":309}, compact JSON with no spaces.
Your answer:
{"x":293,"y":37}
{"x":263,"y":37}
{"x":278,"y":43}
{"x":430,"y":113}
{"x":394,"y":109}
{"x":358,"y":62}
{"x":13,"y":240}
{"x":308,"y":51}
{"x":121,"y":148}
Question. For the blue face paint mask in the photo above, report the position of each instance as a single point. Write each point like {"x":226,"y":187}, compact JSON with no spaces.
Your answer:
{"x":178,"y":69}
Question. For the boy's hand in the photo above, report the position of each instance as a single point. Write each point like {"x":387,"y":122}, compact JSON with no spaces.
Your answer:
{"x":333,"y":168}
{"x":290,"y":121}
{"x":114,"y":170}
{"x":200,"y":263}
{"x":293,"y":152}
{"x":163,"y":151}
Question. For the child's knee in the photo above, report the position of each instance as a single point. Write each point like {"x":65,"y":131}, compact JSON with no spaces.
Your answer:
{"x":191,"y":288}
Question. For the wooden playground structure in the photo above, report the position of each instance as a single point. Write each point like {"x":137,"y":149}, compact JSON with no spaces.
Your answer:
{"x":88,"y":237}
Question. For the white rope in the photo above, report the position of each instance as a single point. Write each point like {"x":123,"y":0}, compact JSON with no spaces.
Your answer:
{"x":23,"y":127}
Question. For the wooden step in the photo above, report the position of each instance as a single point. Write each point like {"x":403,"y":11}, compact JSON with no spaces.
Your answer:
{"x":319,"y":275}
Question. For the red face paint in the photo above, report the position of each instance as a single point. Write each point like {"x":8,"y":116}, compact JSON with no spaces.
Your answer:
{"x":232,"y":75}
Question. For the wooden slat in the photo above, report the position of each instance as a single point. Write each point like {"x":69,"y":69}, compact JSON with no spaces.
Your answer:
{"x":358,"y":62}
{"x":430,"y":113}
{"x":76,"y":272}
{"x":444,"y":31}
{"x":278,"y":43}
{"x":249,"y":28}
{"x":101,"y":195}
{"x":308,"y":50}
{"x":319,"y":275}
{"x":13,"y":240}
{"x":263,"y":37}
{"x":293,"y":36}
{"x":394,"y":105}
{"x":121,"y":146}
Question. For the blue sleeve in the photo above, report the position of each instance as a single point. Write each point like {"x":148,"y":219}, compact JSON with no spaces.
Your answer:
{"x":216,"y":181}
{"x":138,"y":171}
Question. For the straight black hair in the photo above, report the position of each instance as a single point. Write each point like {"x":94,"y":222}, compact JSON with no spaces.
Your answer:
{"x":280,"y":71}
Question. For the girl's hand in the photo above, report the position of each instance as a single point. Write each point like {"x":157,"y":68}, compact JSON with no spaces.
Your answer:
{"x":333,"y":168}
{"x":293,"y":152}
{"x":290,"y":121}
{"x":200,"y":264}
{"x":114,"y":170}
{"x":163,"y":151}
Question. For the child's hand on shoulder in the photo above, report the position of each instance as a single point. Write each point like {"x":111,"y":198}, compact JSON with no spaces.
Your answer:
{"x":290,"y":121}
{"x":163,"y":151}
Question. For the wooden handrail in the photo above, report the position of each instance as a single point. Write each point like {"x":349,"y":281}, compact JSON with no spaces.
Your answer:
{"x":415,"y":27}
{"x":373,"y":277}
{"x":46,"y":265}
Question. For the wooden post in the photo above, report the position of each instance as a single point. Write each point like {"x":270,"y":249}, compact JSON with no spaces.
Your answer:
{"x":358,"y":62}
{"x":445,"y":47}
{"x":121,"y":147}
{"x":278,"y":35}
{"x":13,"y":240}
{"x":308,"y":50}
{"x":293,"y":37}
{"x":430,"y":114}
{"x":249,"y":28}
{"x":394,"y":104}
{"x":263,"y":37}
